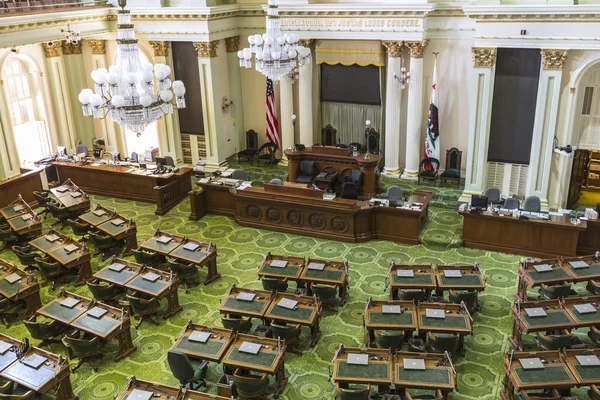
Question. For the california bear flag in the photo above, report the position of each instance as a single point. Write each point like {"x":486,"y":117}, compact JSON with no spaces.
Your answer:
{"x":432,"y":148}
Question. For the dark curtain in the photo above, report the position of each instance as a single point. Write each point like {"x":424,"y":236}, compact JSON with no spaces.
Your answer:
{"x":185,"y":62}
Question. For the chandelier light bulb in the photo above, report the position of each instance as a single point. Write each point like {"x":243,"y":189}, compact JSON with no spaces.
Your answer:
{"x":112,"y":78}
{"x":118,"y":100}
{"x":84,"y":98}
{"x":145,"y":100}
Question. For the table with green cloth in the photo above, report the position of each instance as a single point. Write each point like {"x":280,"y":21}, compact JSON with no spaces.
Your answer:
{"x":585,"y":274}
{"x":213,"y":349}
{"x":530,"y":278}
{"x":376,"y":319}
{"x":164,"y":287}
{"x":456,"y":321}
{"x":307,"y":313}
{"x":423,"y":278}
{"x":378,"y":370}
{"x":333,"y":273}
{"x":464,"y":282}
{"x":438,"y":373}
{"x":164,"y":249}
{"x":126,"y":232}
{"x":55,"y":310}
{"x":79,"y":259}
{"x":18,"y":207}
{"x":44,"y":245}
{"x":291,"y":271}
{"x":26,"y":289}
{"x":254,"y":308}
{"x":28,"y":228}
{"x":92,"y":218}
{"x":119,"y":278}
{"x":204,"y":255}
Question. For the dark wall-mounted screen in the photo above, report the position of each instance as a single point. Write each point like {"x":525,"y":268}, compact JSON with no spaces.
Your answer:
{"x":185,"y":62}
{"x":350,"y":84}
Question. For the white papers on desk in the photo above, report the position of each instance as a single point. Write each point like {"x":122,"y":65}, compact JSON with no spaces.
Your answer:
{"x":204,"y":180}
{"x":18,"y":208}
{"x":96,"y":164}
{"x":416,"y":203}
{"x":228,"y":172}
{"x":244,"y":185}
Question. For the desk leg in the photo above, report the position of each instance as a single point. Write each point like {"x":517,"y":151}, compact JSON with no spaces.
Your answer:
{"x":85,"y":273}
{"x":461,"y":345}
{"x":343,"y":290}
{"x":211,"y":268}
{"x":507,"y":393}
{"x":516,"y":340}
{"x":315,"y":332}
{"x":173,"y":306}
{"x":131,"y":243}
{"x":393,"y":294}
{"x":33,"y":302}
{"x":280,"y":379}
{"x":64,"y":391}
{"x":126,"y":346}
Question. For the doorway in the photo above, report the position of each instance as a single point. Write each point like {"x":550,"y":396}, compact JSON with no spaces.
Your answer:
{"x":584,"y":189}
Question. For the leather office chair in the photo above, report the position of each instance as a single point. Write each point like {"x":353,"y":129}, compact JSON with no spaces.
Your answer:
{"x":8,"y":308}
{"x":84,"y":350}
{"x":593,"y":287}
{"x":414,"y":295}
{"x":532,"y":204}
{"x":438,"y":395}
{"x":307,"y":172}
{"x":554,"y":342}
{"x":250,"y":386}
{"x":291,"y":334}
{"x":143,"y":309}
{"x":106,"y":293}
{"x":26,"y":257}
{"x":50,"y":270}
{"x":594,"y":392}
{"x":355,"y":392}
{"x":251,"y":146}
{"x":7,"y":237}
{"x":326,"y":294}
{"x":25,"y":396}
{"x":349,"y":191}
{"x":276,"y":181}
{"x":47,"y":332}
{"x":469,"y":297}
{"x":79,"y":229}
{"x":238,"y":324}
{"x":389,"y":340}
{"x":428,"y":174}
{"x":493,"y":195}
{"x":104,"y":244}
{"x":511,"y":203}
{"x":394,"y":193}
{"x":441,"y":342}
{"x":278,"y":285}
{"x":594,"y":335}
{"x":266,"y":153}
{"x":43,"y":198}
{"x":62,"y":214}
{"x":146,"y":258}
{"x":547,"y":394}
{"x":169,"y":161}
{"x":239,"y":174}
{"x":81,"y":149}
{"x":551,"y":292}
{"x":187,"y":273}
{"x":184,"y":371}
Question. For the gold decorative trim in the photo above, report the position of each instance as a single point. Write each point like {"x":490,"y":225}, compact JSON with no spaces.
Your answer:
{"x":97,"y":46}
{"x":232,"y":44}
{"x":484,"y":57}
{"x":52,"y":23}
{"x":393,"y":48}
{"x":553,"y":59}
{"x":161,"y":49}
{"x":503,"y":18}
{"x":52,"y":49}
{"x":306,"y":42}
{"x":416,"y":48}
{"x":69,"y":49}
{"x":346,"y":63}
{"x":207,"y":49}
{"x":339,"y":51}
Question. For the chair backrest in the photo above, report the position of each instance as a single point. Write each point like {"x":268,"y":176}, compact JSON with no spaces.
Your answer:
{"x":453,"y":158}
{"x":373,"y":141}
{"x":307,"y":167}
{"x":41,"y":331}
{"x":557,"y":291}
{"x":273,"y":284}
{"x":511,"y":203}
{"x":594,"y":392}
{"x":141,"y":306}
{"x":269,"y":147}
{"x":100,"y":240}
{"x":328,"y":135}
{"x":389,"y":340}
{"x":134,"y":156}
{"x":143,"y":257}
{"x":433,"y":161}
{"x":47,"y":266}
{"x":82,"y":347}
{"x":169,"y":161}
{"x":239,"y":174}
{"x":349,"y":191}
{"x":394,"y":193}
{"x":276,"y":181}
{"x":251,"y":140}
{"x":81,"y":149}
{"x":25,"y":396}
{"x":281,"y":331}
{"x":250,"y":385}
{"x":493,"y":195}
{"x":101,"y":292}
{"x":554,"y":342}
{"x":353,"y":393}
{"x":180,"y":366}
{"x":356,"y":176}
{"x":532,"y":204}
{"x":324,"y":292}
{"x":444,"y":342}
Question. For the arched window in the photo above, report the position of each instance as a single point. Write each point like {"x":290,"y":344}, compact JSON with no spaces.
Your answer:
{"x":26,"y":108}
{"x":589,"y":117}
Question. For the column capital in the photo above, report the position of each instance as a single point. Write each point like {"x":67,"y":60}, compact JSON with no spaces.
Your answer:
{"x":306,"y":42}
{"x":52,"y":49}
{"x":232,"y":44}
{"x":393,"y":48}
{"x":416,"y":48}
{"x":207,"y":49}
{"x":553,"y":58}
{"x":161,"y":49}
{"x":484,"y":57}
{"x":97,"y":46}
{"x":71,"y":48}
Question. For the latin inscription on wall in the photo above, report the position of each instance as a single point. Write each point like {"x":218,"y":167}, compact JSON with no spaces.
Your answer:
{"x":352,"y":24}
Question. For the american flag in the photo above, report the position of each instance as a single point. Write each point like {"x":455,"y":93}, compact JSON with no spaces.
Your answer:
{"x":272,"y":131}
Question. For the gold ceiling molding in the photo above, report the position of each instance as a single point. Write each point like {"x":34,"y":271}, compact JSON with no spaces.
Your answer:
{"x":352,"y":14}
{"x":503,"y":18}
{"x":306,"y":42}
{"x":70,"y":48}
{"x":416,"y":48}
{"x":97,"y":46}
{"x":161,"y":49}
{"x":52,"y":23}
{"x":232,"y":44}
{"x":553,"y":58}
{"x":192,"y":17}
{"x":207,"y":49}
{"x":484,"y":57}
{"x":393,"y":48}
{"x":52,"y":49}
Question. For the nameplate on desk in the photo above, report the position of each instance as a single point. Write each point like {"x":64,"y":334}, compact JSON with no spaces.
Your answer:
{"x":452,"y":273}
{"x":137,"y":394}
{"x":35,"y":361}
{"x":76,"y":194}
{"x":250,"y":348}
{"x":4,"y":347}
{"x":164,"y":239}
{"x":70,"y":302}
{"x":62,"y":189}
{"x":117,"y":222}
{"x":12,"y":278}
{"x":198,"y":336}
{"x":288,"y":303}
{"x":357,"y":359}
{"x":70,"y":248}
{"x":52,"y":238}
{"x":578,"y":264}
{"x":278,"y":263}
{"x":405,"y":273}
{"x":414,"y":363}
{"x":99,"y":213}
{"x":245,"y":296}
{"x":435,"y":313}
{"x":588,"y":360}
{"x":316,"y":266}
{"x":151,"y":276}
{"x":531,"y":363}
{"x":18,"y":208}
{"x":26,"y":217}
{"x":191,"y":246}
{"x":542,"y":267}
{"x":97,"y":312}
{"x":585,"y":308}
{"x":117,"y":267}
{"x":387,"y":309}
{"x":535,"y":312}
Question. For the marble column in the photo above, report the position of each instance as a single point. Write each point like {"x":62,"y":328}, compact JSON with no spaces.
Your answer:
{"x":414,"y":117}
{"x":10,"y":164}
{"x":105,"y":128}
{"x":73,"y":59}
{"x":306,"y":100}
{"x":286,"y":98}
{"x":393,"y":99}
{"x":482,"y":92}
{"x":59,"y":84}
{"x":544,"y":126}
{"x":210,"y":89}
{"x":232,"y":45}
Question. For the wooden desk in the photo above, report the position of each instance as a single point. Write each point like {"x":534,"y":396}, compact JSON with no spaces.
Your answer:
{"x":269,"y":360}
{"x":379,"y":371}
{"x":79,"y":259}
{"x":27,"y":289}
{"x":164,"y":287}
{"x":15,"y":208}
{"x":403,"y":225}
{"x":334,"y":273}
{"x":255,"y":308}
{"x":376,"y":319}
{"x":457,"y":321}
{"x":212,"y":350}
{"x":586,"y":319}
{"x":507,"y":234}
{"x":23,"y":184}
{"x":423,"y":278}
{"x":165,"y":190}
{"x":582,"y":274}
{"x":70,"y":196}
{"x":589,"y":240}
{"x":27,"y":225}
{"x":292,"y":270}
{"x":340,"y":160}
{"x":159,"y":390}
{"x":53,"y":375}
{"x":307,"y":313}
{"x":438,"y":373}
{"x":126,"y":231}
{"x":585,"y":376}
{"x":44,"y":245}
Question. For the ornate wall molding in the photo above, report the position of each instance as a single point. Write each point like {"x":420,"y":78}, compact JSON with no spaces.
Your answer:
{"x":484,"y":57}
{"x":207,"y":49}
{"x":416,"y":48}
{"x":232,"y":44}
{"x":161,"y":49}
{"x":69,"y":49}
{"x":97,"y":46}
{"x":306,"y":42}
{"x":52,"y":49}
{"x":553,"y":58}
{"x":393,"y":48}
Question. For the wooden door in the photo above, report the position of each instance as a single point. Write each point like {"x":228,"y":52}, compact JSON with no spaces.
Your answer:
{"x":578,"y":174}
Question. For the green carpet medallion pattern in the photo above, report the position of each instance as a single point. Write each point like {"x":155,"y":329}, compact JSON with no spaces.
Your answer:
{"x":240,"y":251}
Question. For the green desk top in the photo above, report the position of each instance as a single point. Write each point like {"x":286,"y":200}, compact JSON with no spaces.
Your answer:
{"x":264,"y":359}
{"x":379,"y":318}
{"x":162,"y":248}
{"x":555,"y":274}
{"x":62,"y":313}
{"x":154,"y":288}
{"x":417,"y":279}
{"x":556,"y":317}
{"x":289,"y":270}
{"x":588,"y":317}
{"x":377,"y":371}
{"x":99,"y":326}
{"x":300,"y":313}
{"x":328,"y":275}
{"x":120,"y":278}
{"x":550,"y":374}
{"x":45,"y":245}
{"x":63,"y":257}
{"x":30,"y":377}
{"x":210,"y":348}
{"x":450,"y":322}
{"x":589,"y":373}
{"x":113,"y":229}
{"x":10,"y":212}
{"x":93,"y":219}
{"x":592,"y":270}
{"x":6,"y":359}
{"x":19,"y":223}
{"x":70,"y":201}
{"x":430,"y":376}
{"x":182,"y":253}
{"x":10,"y":289}
{"x":465,"y":280}
{"x":245,"y":306}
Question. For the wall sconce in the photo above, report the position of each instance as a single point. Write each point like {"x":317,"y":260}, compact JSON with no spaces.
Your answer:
{"x":404,"y":76}
{"x":226,"y":103}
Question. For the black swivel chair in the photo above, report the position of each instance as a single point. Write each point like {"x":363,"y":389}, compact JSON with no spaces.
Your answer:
{"x":184,"y":371}
{"x":493,"y":195}
{"x":349,"y":191}
{"x":532,"y":204}
{"x":356,"y":177}
{"x":169,"y":161}
{"x":307,"y":172}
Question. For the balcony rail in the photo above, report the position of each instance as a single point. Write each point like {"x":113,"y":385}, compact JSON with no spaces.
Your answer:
{"x":8,"y":8}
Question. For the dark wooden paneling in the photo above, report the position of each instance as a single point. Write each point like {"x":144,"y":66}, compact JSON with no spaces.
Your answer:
{"x":24,"y":184}
{"x":185,"y":63}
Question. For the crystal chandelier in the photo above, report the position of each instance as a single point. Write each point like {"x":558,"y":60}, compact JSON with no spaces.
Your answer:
{"x":125,"y":92}
{"x":275,"y":54}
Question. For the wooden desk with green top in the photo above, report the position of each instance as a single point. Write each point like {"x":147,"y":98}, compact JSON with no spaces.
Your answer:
{"x":307,"y":312}
{"x":70,"y":196}
{"x":79,"y":259}
{"x":26,"y":288}
{"x":470,"y":278}
{"x":456,"y":320}
{"x":15,"y":208}
{"x":97,"y":216}
{"x":530,"y":277}
{"x":22,"y":219}
{"x":582,"y":319}
{"x":439,"y":373}
{"x":269,"y":360}
{"x":579,"y":272}
{"x":377,"y":319}
{"x":212,"y":350}
{"x":333,"y":273}
{"x":49,"y":241}
{"x":585,"y":374}
{"x":114,"y":225}
{"x":291,"y":271}
{"x":160,"y":391}
{"x":164,"y":287}
{"x":52,"y":375}
{"x":113,"y":273}
{"x":423,"y":277}
{"x":256,"y":308}
{"x":378,"y":370}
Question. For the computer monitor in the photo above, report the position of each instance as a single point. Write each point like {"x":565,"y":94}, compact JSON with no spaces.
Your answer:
{"x":61,"y":151}
{"x":115,"y":156}
{"x":160,"y":162}
{"x":479,"y":201}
